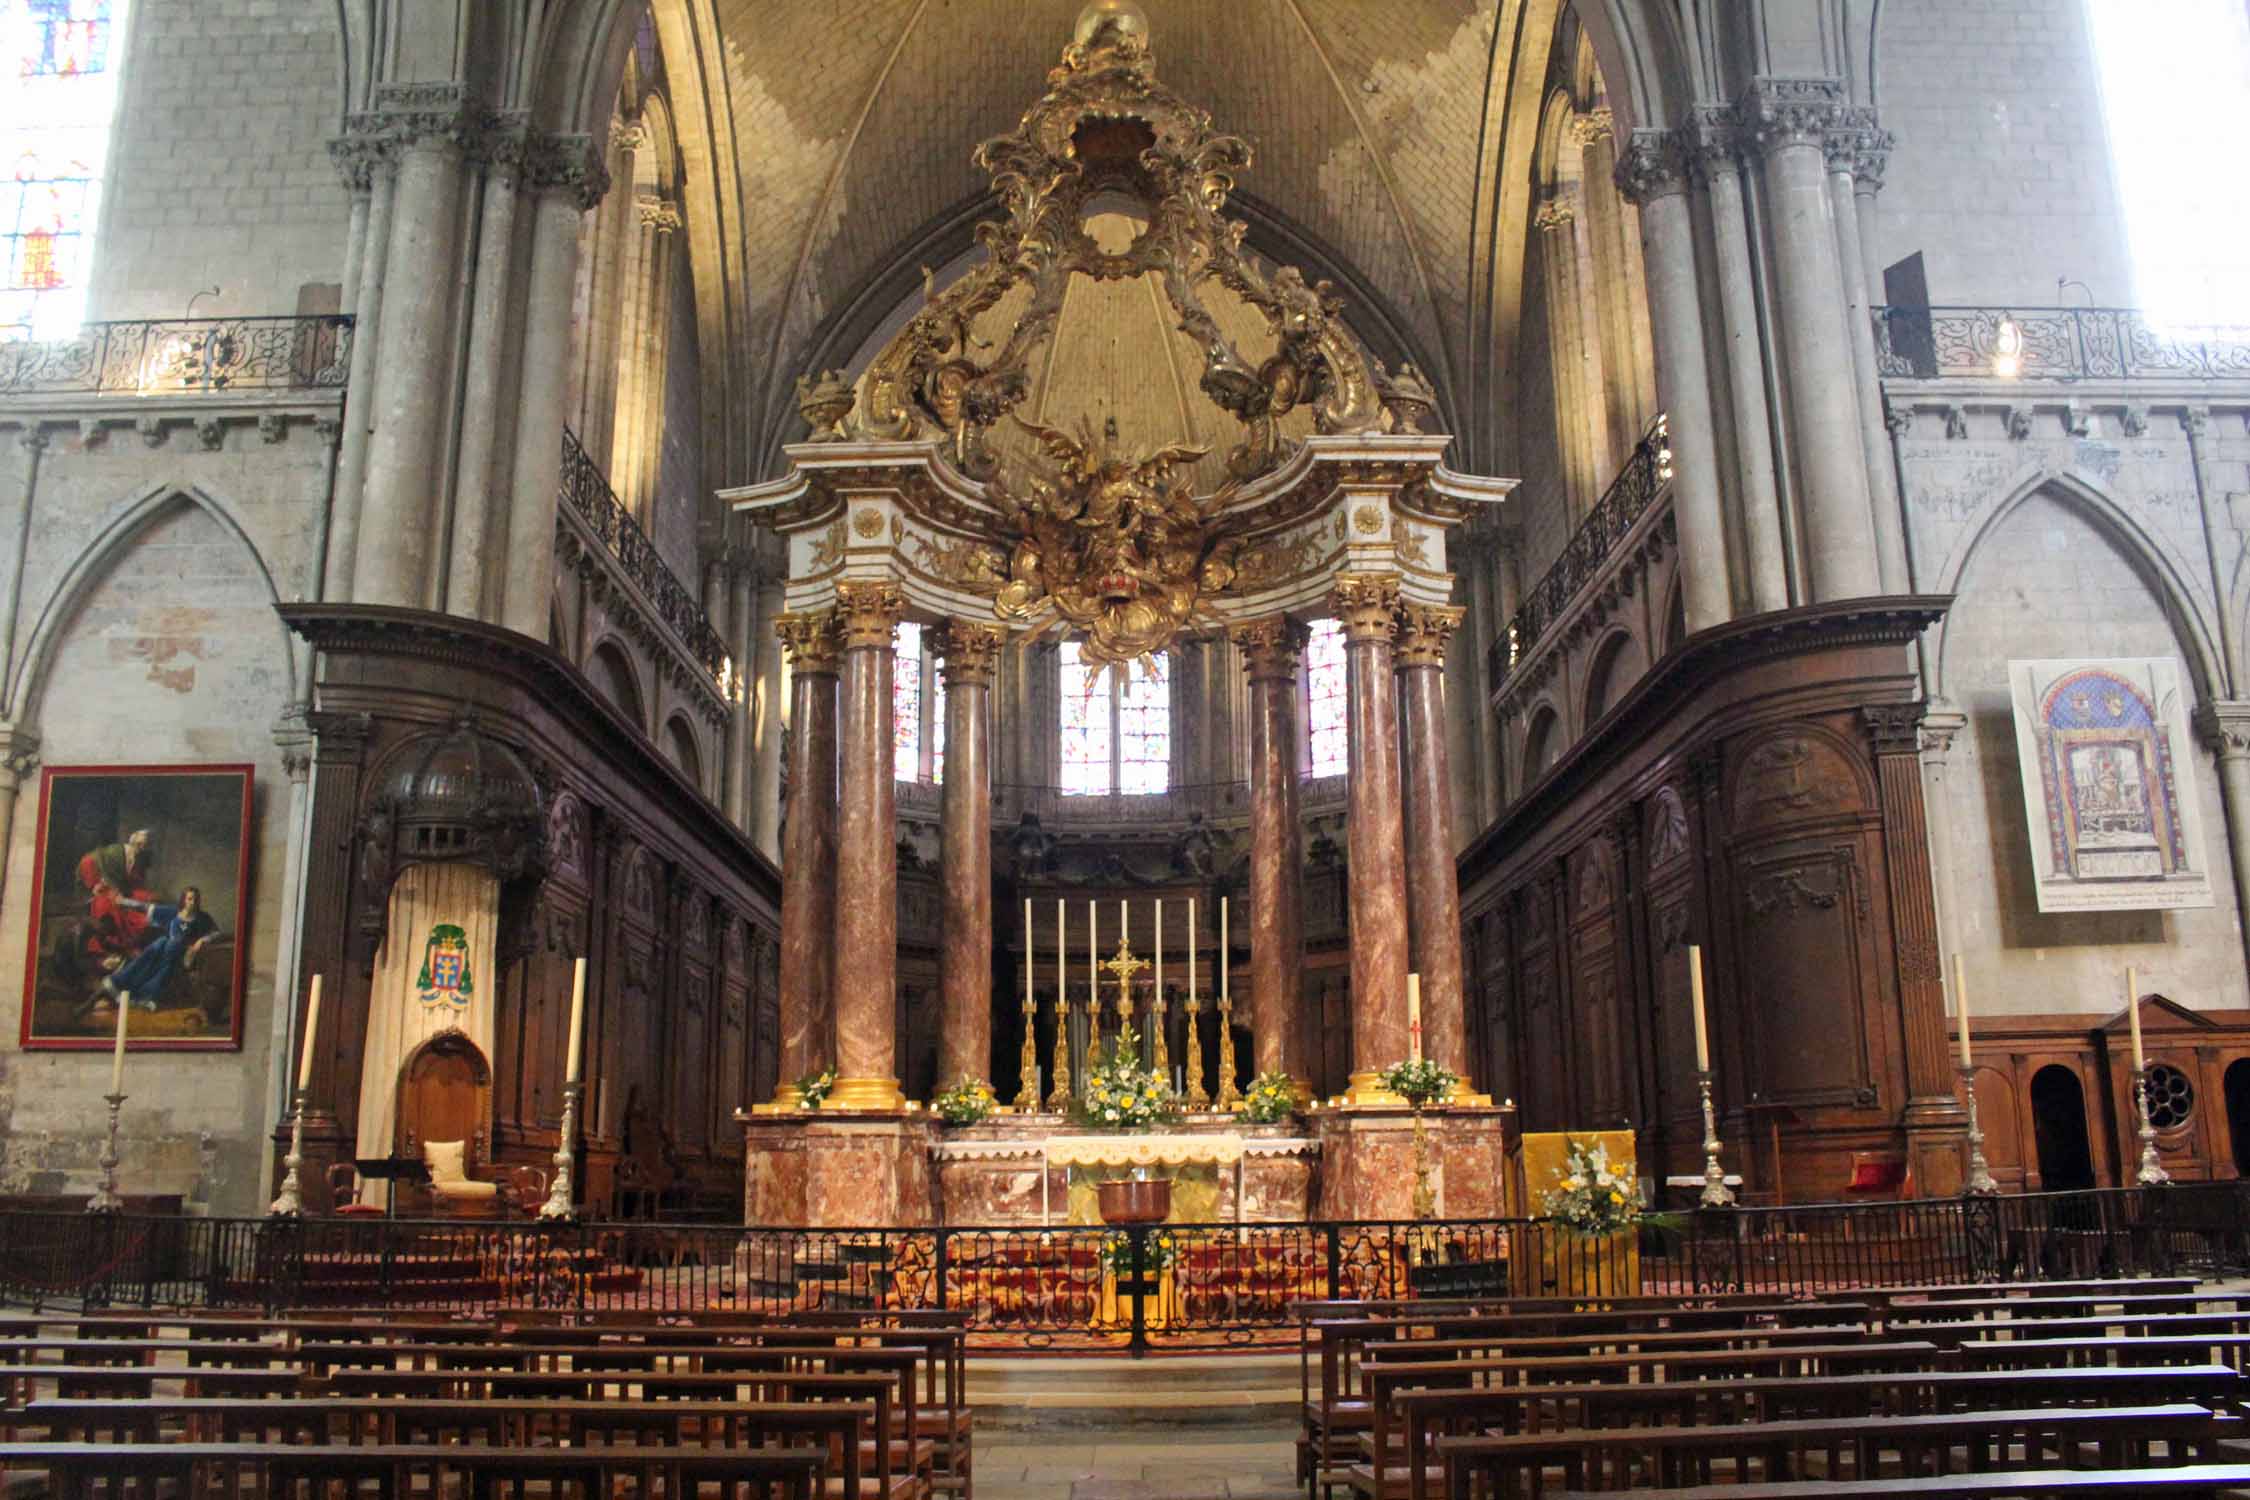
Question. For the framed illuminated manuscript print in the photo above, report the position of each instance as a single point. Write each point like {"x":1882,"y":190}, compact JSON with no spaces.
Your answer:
{"x":2109,"y":785}
{"x":140,"y":897}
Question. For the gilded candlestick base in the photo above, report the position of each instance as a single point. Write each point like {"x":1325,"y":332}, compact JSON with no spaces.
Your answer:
{"x":1980,"y":1183}
{"x":289,"y":1203}
{"x":1425,"y":1197}
{"x":1229,"y":1096}
{"x":1716,"y":1193}
{"x":2152,"y":1173}
{"x":1027,"y":1095}
{"x":1058,"y":1073}
{"x":1156,"y":1023}
{"x":1197,"y":1098}
{"x":559,"y":1207}
{"x":105,"y":1199}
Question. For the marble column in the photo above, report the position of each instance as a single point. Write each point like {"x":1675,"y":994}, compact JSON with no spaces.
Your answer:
{"x":1789,"y":119}
{"x":1367,"y":604}
{"x":808,"y":864}
{"x":1859,"y":329}
{"x":469,"y":590}
{"x":1653,"y":174}
{"x":867,"y":852}
{"x":969,"y":652}
{"x":1271,"y":649}
{"x":1433,"y":895}
{"x":1757,"y":496}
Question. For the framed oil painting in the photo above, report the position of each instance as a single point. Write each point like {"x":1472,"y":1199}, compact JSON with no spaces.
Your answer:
{"x":2109,"y":786}
{"x":140,"y":898}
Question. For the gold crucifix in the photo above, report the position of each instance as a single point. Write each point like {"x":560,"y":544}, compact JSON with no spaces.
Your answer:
{"x":1124,"y":966}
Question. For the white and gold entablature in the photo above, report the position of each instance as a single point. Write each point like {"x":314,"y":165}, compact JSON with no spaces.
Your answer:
{"x":900,"y":511}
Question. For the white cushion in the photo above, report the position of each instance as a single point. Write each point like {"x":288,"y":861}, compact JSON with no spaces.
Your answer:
{"x":470,"y":1190}
{"x":448,"y":1161}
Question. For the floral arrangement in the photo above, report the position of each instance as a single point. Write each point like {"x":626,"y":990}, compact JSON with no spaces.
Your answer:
{"x":1272,"y":1096}
{"x":1120,"y":1093}
{"x":1117,"y":1256}
{"x":967,"y":1102}
{"x":1421,"y":1081}
{"x":813,"y":1087}
{"x":1592,"y":1198}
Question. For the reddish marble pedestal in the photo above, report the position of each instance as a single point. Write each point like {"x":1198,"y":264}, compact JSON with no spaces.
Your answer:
{"x":821,"y":1171}
{"x":1367,"y":1162}
{"x":988,"y":1174}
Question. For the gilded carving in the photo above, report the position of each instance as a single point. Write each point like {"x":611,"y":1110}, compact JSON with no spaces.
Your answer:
{"x":1424,"y":631}
{"x":1367,"y":604}
{"x":1368,"y":519}
{"x":965,"y":564}
{"x":968,"y":651}
{"x":1270,"y":646}
{"x":828,"y":548}
{"x":867,"y":523}
{"x":812,"y":639}
{"x":1271,"y":562}
{"x":869,"y":610}
{"x":1410,"y":547}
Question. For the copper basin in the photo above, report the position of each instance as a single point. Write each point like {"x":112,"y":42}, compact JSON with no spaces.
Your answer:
{"x":1135,"y":1202}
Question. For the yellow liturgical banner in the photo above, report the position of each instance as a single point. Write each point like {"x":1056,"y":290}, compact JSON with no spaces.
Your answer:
{"x":1540,"y":1161}
{"x":1560,"y":1264}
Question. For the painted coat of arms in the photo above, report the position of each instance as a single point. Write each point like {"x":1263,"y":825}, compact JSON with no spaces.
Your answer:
{"x":445,"y":978}
{"x":2109,"y":785}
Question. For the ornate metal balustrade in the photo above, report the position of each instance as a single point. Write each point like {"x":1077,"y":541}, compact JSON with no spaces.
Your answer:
{"x":172,"y":356}
{"x":2050,"y":343}
{"x":1645,"y":478}
{"x":586,"y":492}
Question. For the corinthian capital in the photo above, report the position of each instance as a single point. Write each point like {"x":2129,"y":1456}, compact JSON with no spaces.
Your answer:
{"x":1594,"y":125}
{"x":967,"y":650}
{"x":1554,"y":213}
{"x":1652,"y":164}
{"x":659,"y":214}
{"x":1367,"y":604}
{"x":1270,"y":646}
{"x":1782,"y":112}
{"x":813,"y":640}
{"x":870,"y":609}
{"x":2225,"y":728}
{"x":1424,"y":631}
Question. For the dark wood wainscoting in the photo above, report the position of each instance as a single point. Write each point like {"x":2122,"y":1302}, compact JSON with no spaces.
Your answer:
{"x":673,"y":908}
{"x":1757,"y":793}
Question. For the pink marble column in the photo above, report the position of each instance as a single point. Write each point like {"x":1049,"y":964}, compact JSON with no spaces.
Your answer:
{"x":1433,"y":904}
{"x":866,"y":931}
{"x":1271,"y":649}
{"x":1367,"y":604}
{"x":808,"y":856}
{"x":970,"y":652}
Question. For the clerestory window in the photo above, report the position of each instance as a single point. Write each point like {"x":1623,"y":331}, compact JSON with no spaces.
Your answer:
{"x":55,"y":118}
{"x":1116,"y":725}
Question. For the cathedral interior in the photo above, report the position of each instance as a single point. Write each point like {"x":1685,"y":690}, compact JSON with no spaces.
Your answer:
{"x":694,"y":559}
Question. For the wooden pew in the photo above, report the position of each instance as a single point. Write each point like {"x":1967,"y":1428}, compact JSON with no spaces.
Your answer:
{"x":2031,"y":1353}
{"x":2189,"y":1480}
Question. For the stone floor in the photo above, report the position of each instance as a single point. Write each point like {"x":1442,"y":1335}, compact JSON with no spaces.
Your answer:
{"x":1139,"y":1462}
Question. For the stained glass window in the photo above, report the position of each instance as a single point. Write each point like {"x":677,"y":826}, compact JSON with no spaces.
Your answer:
{"x":906,"y":700}
{"x":1325,"y":699}
{"x":54,"y":148}
{"x":1116,"y":726}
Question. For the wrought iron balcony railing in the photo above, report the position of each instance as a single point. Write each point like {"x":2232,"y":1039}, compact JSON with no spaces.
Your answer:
{"x":2050,"y":343}
{"x":172,"y":356}
{"x":1638,"y":485}
{"x":586,"y":490}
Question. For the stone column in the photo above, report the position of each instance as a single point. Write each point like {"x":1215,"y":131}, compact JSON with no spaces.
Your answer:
{"x":568,"y":180}
{"x":1653,"y":175}
{"x":366,"y":163}
{"x":808,"y":865}
{"x":1942,"y":723}
{"x":399,"y":524}
{"x":1367,"y":604}
{"x":477,"y":501}
{"x":867,"y":852}
{"x":1843,"y":147}
{"x":1566,"y":339}
{"x":766,"y":735}
{"x":615,"y":231}
{"x":19,"y":752}
{"x":1484,"y":566}
{"x":1625,"y":358}
{"x":1271,"y":649}
{"x":2225,"y":727}
{"x":1867,"y":180}
{"x":1433,"y":905}
{"x":742,"y":642}
{"x":1789,"y":118}
{"x":1758,"y":496}
{"x":969,"y":652}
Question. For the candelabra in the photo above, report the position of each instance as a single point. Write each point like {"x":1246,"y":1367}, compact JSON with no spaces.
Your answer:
{"x":559,"y":1205}
{"x":1058,"y":1096}
{"x":1158,"y":1020}
{"x":1716,"y":1193}
{"x":1425,"y":1197}
{"x":1229,"y":1095}
{"x":290,"y":1203}
{"x":2152,"y":1173}
{"x":1980,"y":1183}
{"x":106,"y":1201}
{"x":1027,"y":1096}
{"x":1196,"y":1097}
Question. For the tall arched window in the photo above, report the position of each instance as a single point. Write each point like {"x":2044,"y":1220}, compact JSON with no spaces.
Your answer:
{"x":59,"y":58}
{"x":1328,"y":745}
{"x":917,"y":706}
{"x":1116,"y":725}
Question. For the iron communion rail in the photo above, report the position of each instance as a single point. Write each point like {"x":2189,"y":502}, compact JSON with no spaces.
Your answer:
{"x":1163,"y":1286}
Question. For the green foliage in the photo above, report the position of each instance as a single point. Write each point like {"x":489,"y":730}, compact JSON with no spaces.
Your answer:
{"x":1421,"y":1081}
{"x":815,"y":1086}
{"x":968,"y":1101}
{"x":1272,"y":1097}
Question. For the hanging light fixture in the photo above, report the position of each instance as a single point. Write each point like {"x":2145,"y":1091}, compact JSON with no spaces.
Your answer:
{"x":2007,"y":348}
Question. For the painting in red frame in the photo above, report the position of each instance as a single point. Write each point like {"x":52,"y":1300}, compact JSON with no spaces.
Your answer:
{"x":141,"y":887}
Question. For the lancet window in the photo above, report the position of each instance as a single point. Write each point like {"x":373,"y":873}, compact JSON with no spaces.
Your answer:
{"x":917,"y":706}
{"x":1116,"y":729}
{"x":54,"y":150}
{"x":1329,"y":750}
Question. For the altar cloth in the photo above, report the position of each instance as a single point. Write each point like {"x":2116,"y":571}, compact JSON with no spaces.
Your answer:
{"x":1140,"y":1150}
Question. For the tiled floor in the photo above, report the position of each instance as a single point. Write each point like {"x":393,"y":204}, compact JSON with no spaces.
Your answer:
{"x":1139,"y":1463}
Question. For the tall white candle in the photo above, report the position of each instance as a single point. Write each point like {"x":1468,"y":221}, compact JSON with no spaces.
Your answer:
{"x":577,"y":1020}
{"x":1191,"y":949}
{"x":117,"y":1058}
{"x":1160,"y":950}
{"x":1027,"y":953}
{"x":1062,"y":963}
{"x":1695,"y":998}
{"x":1961,"y":1004}
{"x":2132,"y":1010}
{"x":1225,"y":957}
{"x":1414,"y":1016}
{"x":1093,"y":957}
{"x":305,"y":1045}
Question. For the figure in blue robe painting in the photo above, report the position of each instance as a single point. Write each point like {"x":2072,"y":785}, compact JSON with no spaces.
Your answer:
{"x":179,"y":932}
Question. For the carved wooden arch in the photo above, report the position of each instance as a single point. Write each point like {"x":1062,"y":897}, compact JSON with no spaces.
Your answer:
{"x":452,"y":1040}
{"x":1787,"y":773}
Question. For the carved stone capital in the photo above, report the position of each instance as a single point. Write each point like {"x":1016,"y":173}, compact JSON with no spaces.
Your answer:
{"x":1591,"y":126}
{"x":1893,"y":728}
{"x":1367,"y":604}
{"x":566,"y":164}
{"x":968,"y":652}
{"x":659,"y":214}
{"x":1424,"y":631}
{"x":293,"y":734}
{"x":869,"y":609}
{"x":627,"y":135}
{"x":2195,"y":421}
{"x":813,"y":639}
{"x":19,"y":752}
{"x":2225,"y":728}
{"x":359,"y":156}
{"x":1554,"y":214}
{"x":1270,"y":647}
{"x":1780,"y":113}
{"x":1651,"y":165}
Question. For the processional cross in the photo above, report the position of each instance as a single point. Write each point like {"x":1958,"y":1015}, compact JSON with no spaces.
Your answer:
{"x":1124,"y":966}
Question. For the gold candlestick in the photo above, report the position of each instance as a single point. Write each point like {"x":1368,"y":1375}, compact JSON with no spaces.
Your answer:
{"x":1163,"y":1043}
{"x":1229,"y":1095}
{"x":1027,"y":1095}
{"x":1058,"y":1096}
{"x":1196,"y":1097}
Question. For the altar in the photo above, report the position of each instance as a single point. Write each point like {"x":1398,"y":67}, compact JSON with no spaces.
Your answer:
{"x":1031,"y":1170}
{"x":1193,"y":1164}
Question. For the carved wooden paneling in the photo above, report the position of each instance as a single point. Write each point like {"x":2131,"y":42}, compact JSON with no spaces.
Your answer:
{"x":1805,"y":910}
